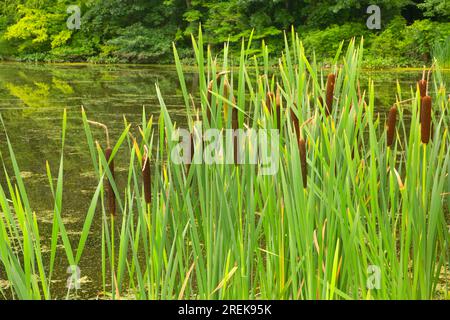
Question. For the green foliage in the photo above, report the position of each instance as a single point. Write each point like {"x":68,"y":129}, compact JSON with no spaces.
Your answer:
{"x":436,"y":9}
{"x":423,"y":34}
{"x":403,"y":45}
{"x":390,"y":45}
{"x":325,"y":43}
{"x":143,"y":30}
{"x":36,"y":29}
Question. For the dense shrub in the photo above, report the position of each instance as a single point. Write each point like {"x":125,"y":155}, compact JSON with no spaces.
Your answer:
{"x":143,"y":45}
{"x":326,"y":42}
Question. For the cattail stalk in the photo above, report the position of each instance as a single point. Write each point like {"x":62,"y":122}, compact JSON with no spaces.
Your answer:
{"x":302,"y":150}
{"x":108,"y":153}
{"x":425,"y":115}
{"x":146,"y":176}
{"x":330,"y":93}
{"x":392,"y":119}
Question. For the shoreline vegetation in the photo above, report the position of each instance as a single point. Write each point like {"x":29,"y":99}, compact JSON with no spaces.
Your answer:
{"x":192,"y":67}
{"x":116,"y":31}
{"x":358,"y":208}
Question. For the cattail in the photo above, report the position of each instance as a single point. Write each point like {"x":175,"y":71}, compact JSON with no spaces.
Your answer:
{"x":302,"y":150}
{"x":425,"y":115}
{"x":295,"y":122}
{"x":111,"y":195}
{"x":234,"y":119}
{"x":278,"y":108}
{"x":423,"y":88}
{"x":330,"y":93}
{"x":392,"y":119}
{"x":146,"y":177}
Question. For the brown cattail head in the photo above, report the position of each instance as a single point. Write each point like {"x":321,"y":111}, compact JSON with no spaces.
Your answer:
{"x":392,"y":119}
{"x":423,"y":92}
{"x":330,"y":93}
{"x":278,"y":108}
{"x":146,"y":177}
{"x":234,"y":119}
{"x":110,"y":191}
{"x":302,"y":150}
{"x":295,"y":122}
{"x":422,"y":87}
{"x":425,"y":115}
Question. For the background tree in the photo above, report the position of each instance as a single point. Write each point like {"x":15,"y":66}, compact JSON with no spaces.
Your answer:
{"x":143,"y":30}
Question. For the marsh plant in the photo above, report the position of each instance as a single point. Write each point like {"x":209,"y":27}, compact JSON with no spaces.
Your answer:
{"x":358,"y":208}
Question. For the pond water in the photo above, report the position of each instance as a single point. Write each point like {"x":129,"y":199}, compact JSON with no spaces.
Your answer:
{"x":32,"y":99}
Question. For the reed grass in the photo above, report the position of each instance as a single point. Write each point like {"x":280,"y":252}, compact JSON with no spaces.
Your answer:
{"x":345,"y":205}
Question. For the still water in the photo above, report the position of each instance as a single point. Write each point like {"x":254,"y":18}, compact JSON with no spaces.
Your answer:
{"x":32,"y":99}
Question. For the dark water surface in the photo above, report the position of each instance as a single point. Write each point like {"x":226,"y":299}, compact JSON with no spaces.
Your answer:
{"x":32,"y":99}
